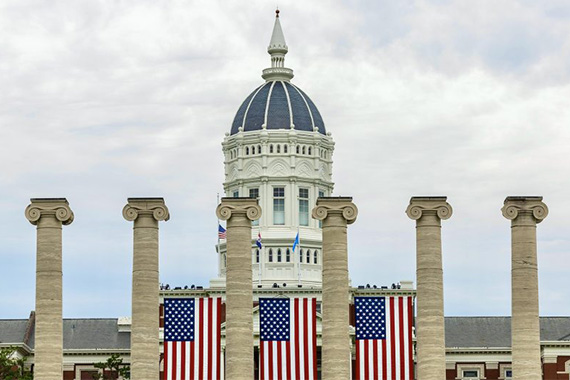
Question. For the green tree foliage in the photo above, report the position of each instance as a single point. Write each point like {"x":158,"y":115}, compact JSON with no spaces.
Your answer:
{"x":112,"y":369}
{"x":12,"y":368}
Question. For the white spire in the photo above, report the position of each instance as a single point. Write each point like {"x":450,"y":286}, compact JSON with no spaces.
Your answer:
{"x":277,"y":43}
{"x":277,"y":49}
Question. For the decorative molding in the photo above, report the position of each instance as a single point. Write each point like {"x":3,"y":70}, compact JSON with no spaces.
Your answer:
{"x":419,"y":205}
{"x":57,"y":207}
{"x":342,"y":206}
{"x":513,"y":206}
{"x":146,"y":206}
{"x":227,"y":209}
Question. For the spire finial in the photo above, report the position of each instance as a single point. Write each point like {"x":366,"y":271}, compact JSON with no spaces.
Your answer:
{"x":277,"y":49}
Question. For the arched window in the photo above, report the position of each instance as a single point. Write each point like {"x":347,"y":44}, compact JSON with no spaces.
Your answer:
{"x":271,"y":148}
{"x":297,"y":149}
{"x":315,"y":257}
{"x":278,"y":148}
{"x":308,"y":257}
{"x":279,"y":255}
{"x":284,"y":148}
{"x":246,"y":150}
{"x":288,"y":255}
{"x":309,"y":152}
{"x":303,"y":149}
{"x":259,"y":149}
{"x":270,"y":256}
{"x":257,"y":256}
{"x":301,"y":256}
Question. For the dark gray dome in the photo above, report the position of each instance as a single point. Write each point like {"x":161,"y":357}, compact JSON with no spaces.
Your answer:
{"x":278,"y":104}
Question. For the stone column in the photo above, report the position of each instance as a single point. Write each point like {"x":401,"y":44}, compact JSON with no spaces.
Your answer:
{"x":525,"y":213}
{"x":430,"y":330}
{"x":335,"y":214}
{"x":49,"y":214}
{"x":239,"y":213}
{"x":146,"y":213}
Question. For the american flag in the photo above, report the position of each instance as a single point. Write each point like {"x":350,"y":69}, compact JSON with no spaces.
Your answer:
{"x":384,"y":338}
{"x":221,"y":232}
{"x":192,"y":330}
{"x":288,"y":338}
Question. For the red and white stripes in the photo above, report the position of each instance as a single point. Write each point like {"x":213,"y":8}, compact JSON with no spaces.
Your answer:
{"x":390,"y":358}
{"x":199,"y":359}
{"x":295,"y":359}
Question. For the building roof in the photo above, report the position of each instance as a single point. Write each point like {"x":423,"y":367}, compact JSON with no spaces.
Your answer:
{"x":12,"y":331}
{"x":470,"y":332}
{"x":460,"y":332}
{"x":278,"y":105}
{"x":87,"y":333}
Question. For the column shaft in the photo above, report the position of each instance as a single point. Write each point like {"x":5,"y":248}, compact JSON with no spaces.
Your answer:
{"x":239,"y":299}
{"x":145,"y":346}
{"x":145,"y":299}
{"x":430,"y":324}
{"x":335,"y":305}
{"x":335,"y":213}
{"x":49,"y":214}
{"x":48,"y":350}
{"x":239,"y":212}
{"x":430,"y":329}
{"x":525,"y":213}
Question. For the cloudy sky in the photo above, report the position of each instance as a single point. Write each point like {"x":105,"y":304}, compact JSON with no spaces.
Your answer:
{"x":104,"y":100}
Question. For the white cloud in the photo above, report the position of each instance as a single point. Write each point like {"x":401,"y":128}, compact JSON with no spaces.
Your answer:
{"x":105,"y":100}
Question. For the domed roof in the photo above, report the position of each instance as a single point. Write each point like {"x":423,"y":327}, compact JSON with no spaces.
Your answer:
{"x":278,"y":105}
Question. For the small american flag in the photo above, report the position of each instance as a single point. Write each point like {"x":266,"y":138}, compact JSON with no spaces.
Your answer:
{"x":221,"y":232}
{"x":384,"y":338}
{"x":192,"y":331}
{"x":288,"y":338}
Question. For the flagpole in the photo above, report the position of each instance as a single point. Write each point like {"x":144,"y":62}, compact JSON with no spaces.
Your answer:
{"x":300,"y":258}
{"x":261,"y":256}
{"x":220,"y":260}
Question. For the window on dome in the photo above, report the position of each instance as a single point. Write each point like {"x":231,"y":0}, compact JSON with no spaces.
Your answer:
{"x":279,"y":255}
{"x":308,"y":256}
{"x":297,"y":149}
{"x":257,"y":255}
{"x":247,"y":151}
{"x":315,"y":257}
{"x":284,"y":148}
{"x":309,"y":152}
{"x":301,"y":256}
{"x":278,"y":148}
{"x":254,"y":193}
{"x":279,"y":205}
{"x":288,"y":255}
{"x":303,"y":149}
{"x":270,"y":257}
{"x":271,"y":148}
{"x":304,"y":207}
{"x":259,"y":149}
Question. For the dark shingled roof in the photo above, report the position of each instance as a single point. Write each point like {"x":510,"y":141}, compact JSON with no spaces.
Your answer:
{"x":12,"y":330}
{"x":285,"y":101}
{"x":464,"y":332}
{"x":496,"y":331}
{"x":77,"y":333}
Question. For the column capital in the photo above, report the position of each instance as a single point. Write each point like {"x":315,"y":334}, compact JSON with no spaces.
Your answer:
{"x":513,"y":206}
{"x":335,"y":205}
{"x":419,"y":205}
{"x":57,"y":207}
{"x":154,"y":207}
{"x":234,"y":206}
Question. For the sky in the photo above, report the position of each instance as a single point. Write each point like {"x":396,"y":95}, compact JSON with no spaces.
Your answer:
{"x":105,"y":100}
